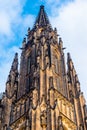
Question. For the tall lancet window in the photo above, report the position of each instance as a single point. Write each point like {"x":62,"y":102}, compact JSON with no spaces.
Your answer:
{"x":56,"y":64}
{"x":28,"y":64}
{"x":28,"y":74}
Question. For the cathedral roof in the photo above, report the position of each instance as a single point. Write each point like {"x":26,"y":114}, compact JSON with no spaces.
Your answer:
{"x":42,"y":18}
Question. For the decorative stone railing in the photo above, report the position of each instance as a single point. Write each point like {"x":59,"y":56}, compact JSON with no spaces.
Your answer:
{"x":19,"y":110}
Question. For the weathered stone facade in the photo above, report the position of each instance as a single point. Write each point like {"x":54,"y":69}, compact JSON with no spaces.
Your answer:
{"x":43,"y":95}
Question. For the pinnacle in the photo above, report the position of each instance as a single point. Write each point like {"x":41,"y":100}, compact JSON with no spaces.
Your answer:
{"x":14,"y":66}
{"x":42,"y":6}
{"x":68,"y":56}
{"x":42,"y":18}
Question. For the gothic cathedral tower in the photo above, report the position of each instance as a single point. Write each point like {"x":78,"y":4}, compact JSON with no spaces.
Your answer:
{"x":43,"y":95}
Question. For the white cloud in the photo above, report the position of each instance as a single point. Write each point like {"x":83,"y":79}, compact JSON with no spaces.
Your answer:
{"x":9,"y":11}
{"x":71,"y":22}
{"x":6,"y":65}
{"x":13,"y":25}
{"x":4,"y":23}
{"x":11,"y":16}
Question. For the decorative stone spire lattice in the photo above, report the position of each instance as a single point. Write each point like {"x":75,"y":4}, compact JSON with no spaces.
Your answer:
{"x":42,"y":18}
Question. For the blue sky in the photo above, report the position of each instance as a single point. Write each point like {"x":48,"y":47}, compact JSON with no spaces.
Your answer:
{"x":67,"y":15}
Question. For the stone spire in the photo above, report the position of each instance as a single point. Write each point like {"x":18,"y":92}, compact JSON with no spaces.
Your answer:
{"x":12,"y":80}
{"x":42,"y":18}
{"x":14,"y":68}
{"x":15,"y":63}
{"x":11,"y":90}
{"x":42,"y":96}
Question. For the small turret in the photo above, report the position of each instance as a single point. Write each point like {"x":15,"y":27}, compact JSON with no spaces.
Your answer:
{"x":77,"y":83}
{"x":72,"y":75}
{"x":24,"y":43}
{"x":11,"y":90}
{"x":12,"y":80}
{"x":60,"y":41}
{"x":69,"y":61}
{"x":14,"y":70}
{"x":70,"y":68}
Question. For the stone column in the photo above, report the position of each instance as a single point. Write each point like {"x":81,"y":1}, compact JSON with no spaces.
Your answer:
{"x":52,"y":120}
{"x":78,"y":111}
{"x":27,"y":124}
{"x":33,"y":120}
{"x":42,"y":72}
{"x":60,"y":124}
{"x":43,"y":120}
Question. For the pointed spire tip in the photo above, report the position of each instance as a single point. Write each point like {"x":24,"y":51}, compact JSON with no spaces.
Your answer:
{"x":42,"y":18}
{"x":42,"y":6}
{"x":16,"y":54}
{"x":68,"y":56}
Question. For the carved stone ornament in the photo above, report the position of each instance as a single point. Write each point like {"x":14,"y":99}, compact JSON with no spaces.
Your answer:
{"x":35,"y":99}
{"x":60,"y":124}
{"x":43,"y":115}
{"x":43,"y":119}
{"x":9,"y":91}
{"x":43,"y":105}
{"x":53,"y":100}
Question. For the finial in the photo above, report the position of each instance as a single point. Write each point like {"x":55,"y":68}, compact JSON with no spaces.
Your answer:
{"x":42,"y":18}
{"x":28,"y":30}
{"x":16,"y":55}
{"x":24,"y":43}
{"x":8,"y":78}
{"x":77,"y":79}
{"x":60,"y":43}
{"x":55,"y":29}
{"x":24,"y":40}
{"x":14,"y":61}
{"x":60,"y":39}
{"x":68,"y":56}
{"x":42,"y":6}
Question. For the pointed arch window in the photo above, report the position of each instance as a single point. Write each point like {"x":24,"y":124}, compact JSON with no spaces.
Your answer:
{"x":27,"y":74}
{"x":58,"y":84}
{"x":56,"y":64}
{"x":28,"y":64}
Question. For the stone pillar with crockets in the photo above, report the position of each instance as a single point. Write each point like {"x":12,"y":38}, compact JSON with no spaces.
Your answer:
{"x":60,"y":124}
